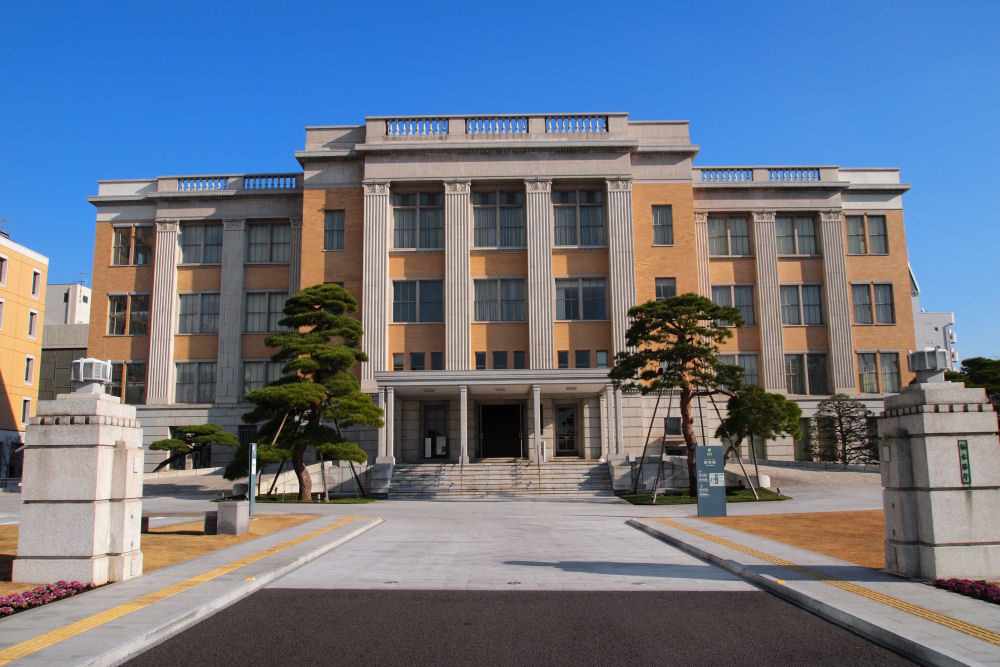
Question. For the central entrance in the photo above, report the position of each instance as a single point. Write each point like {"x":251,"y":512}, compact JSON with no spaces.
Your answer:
{"x":500,"y":431}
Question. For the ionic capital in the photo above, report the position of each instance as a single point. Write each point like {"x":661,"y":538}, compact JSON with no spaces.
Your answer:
{"x":168,"y":225}
{"x":701,"y":217}
{"x":295,"y":222}
{"x":832,"y":215}
{"x":457,"y":187}
{"x":619,"y":184}
{"x":542,"y":185}
{"x":375,"y":187}
{"x":761,"y":217}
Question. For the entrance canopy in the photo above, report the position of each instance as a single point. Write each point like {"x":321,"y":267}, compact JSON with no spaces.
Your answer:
{"x":495,"y":383}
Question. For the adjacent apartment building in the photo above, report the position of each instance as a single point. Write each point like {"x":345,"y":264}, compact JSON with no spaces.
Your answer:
{"x":494,"y":259}
{"x":67,"y":327}
{"x":22,"y":303}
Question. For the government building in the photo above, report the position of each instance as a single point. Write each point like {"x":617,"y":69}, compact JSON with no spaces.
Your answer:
{"x":494,"y":259}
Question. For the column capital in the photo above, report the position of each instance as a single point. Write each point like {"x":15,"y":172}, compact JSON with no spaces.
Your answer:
{"x":457,"y":186}
{"x":764,"y":216}
{"x":831,"y":215}
{"x":538,"y":184}
{"x":167,"y":225}
{"x":463,"y":389}
{"x":619,"y":184}
{"x":700,"y":217}
{"x":295,"y":222}
{"x":374,"y":186}
{"x":233,"y":224}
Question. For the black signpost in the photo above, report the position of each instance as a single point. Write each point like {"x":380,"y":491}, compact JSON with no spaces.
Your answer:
{"x":963,"y":462}
{"x":711,"y":472}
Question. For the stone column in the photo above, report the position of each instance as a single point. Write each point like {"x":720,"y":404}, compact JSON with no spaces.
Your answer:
{"x":602,"y":413}
{"x":619,"y":426}
{"x":701,"y":253}
{"x":457,"y":305}
{"x":621,"y":258}
{"x":81,"y":491}
{"x":463,"y":421}
{"x":940,"y":463}
{"x":229,"y":374}
{"x":295,"y":256}
{"x":611,"y":428}
{"x":380,"y":399}
{"x":772,"y":349}
{"x":838,"y":303}
{"x":160,"y":381}
{"x":376,"y":296}
{"x":390,"y":426}
{"x":541,"y":288}
{"x":536,"y":406}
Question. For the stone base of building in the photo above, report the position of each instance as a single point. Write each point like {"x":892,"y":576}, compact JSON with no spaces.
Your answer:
{"x":95,"y":569}
{"x":965,"y":561}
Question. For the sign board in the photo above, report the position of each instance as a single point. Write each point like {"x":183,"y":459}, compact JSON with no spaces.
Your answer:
{"x":710,"y":469}
{"x":963,"y":462}
{"x":252,"y":481}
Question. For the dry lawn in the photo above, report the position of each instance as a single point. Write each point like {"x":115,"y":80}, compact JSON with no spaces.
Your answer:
{"x":857,"y":537}
{"x":162,"y":546}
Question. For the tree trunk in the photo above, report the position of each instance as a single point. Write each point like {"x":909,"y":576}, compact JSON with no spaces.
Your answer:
{"x":305,"y":479}
{"x":687,"y":430}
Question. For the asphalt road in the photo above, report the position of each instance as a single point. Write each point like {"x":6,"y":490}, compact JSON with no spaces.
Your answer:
{"x":386,"y":627}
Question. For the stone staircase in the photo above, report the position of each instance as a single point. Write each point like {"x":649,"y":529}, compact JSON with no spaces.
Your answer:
{"x":509,"y":478}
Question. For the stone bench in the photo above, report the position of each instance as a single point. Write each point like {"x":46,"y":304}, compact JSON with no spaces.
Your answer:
{"x":232,"y":518}
{"x":211,"y":519}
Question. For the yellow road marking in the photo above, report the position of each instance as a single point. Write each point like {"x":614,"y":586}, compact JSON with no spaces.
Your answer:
{"x":951,"y":622}
{"x":18,"y":651}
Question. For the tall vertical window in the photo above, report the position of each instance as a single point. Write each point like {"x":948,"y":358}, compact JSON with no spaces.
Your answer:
{"x":579,"y":217}
{"x":36,"y":283}
{"x":885,"y":311}
{"x":29,"y":370}
{"x":117,"y":314}
{"x":520,"y":359}
{"x":581,"y":359}
{"x":581,"y":299}
{"x":480,"y":361}
{"x":728,"y":236}
{"x":201,"y":244}
{"x":264,"y":311}
{"x":746,"y":361}
{"x":417,"y":220}
{"x":25,"y":410}
{"x":135,"y":382}
{"x":868,"y":372}
{"x":128,"y":314}
{"x":806,"y":374}
{"x":418,"y":361}
{"x":498,"y":219}
{"x":562,"y":359}
{"x":398,"y":361}
{"x":861,"y":302}
{"x":864,"y":296}
{"x":198,"y":314}
{"x":417,"y":301}
{"x":663,"y":225}
{"x":867,"y":234}
{"x":32,"y":323}
{"x":601,"y":358}
{"x":437,"y":361}
{"x":138,"y":317}
{"x":269,"y":243}
{"x":132,"y":245}
{"x":878,"y":372}
{"x":801,"y":304}
{"x":195,"y":382}
{"x":738,"y":296}
{"x":259,"y":373}
{"x":499,"y":360}
{"x":3,"y":270}
{"x":333,"y":230}
{"x":796,"y":235}
{"x":889,"y":371}
{"x":665,"y":288}
{"x":499,"y":300}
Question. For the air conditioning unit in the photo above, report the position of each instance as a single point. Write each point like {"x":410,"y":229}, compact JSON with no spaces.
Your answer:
{"x":88,"y":370}
{"x":928,"y":360}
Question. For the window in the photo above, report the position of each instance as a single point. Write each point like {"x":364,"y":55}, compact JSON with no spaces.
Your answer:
{"x":663,"y":225}
{"x":333,"y":230}
{"x":499,"y":300}
{"x":581,"y":359}
{"x":581,"y":299}
{"x":800,"y":304}
{"x":417,"y":360}
{"x":437,"y":361}
{"x":878,"y":372}
{"x":728,"y":236}
{"x":748,"y":362}
{"x":864,"y":296}
{"x":875,"y":242}
{"x":32,"y":323}
{"x":796,"y":235}
{"x":498,"y":218}
{"x":520,"y":359}
{"x":562,"y":359}
{"x":257,"y":374}
{"x":128,"y":314}
{"x":671,"y":426}
{"x":3,"y":270}
{"x":263,"y":312}
{"x":500,"y":360}
{"x":601,"y":358}
{"x":132,"y":246}
{"x":36,"y":283}
{"x":198,"y":314}
{"x":417,"y":220}
{"x":2,"y":304}
{"x":201,"y":244}
{"x":665,"y":288}
{"x":806,"y":374}
{"x":579,"y":217}
{"x":29,"y":370}
{"x":417,"y":301}
{"x":25,"y":410}
{"x":195,"y":382}
{"x":480,"y":361}
{"x":135,"y":382}
{"x":397,"y":361}
{"x":268,"y":243}
{"x":739,"y":296}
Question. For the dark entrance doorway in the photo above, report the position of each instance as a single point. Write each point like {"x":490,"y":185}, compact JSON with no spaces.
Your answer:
{"x":500,"y":431}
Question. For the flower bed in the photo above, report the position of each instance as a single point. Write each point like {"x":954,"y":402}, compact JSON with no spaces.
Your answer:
{"x":981,"y":590}
{"x":36,"y":597}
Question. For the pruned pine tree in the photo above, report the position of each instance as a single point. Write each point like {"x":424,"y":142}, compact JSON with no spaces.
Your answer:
{"x":843,"y":432}
{"x":192,"y":440}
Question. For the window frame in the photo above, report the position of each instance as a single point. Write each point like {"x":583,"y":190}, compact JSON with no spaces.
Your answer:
{"x":577,"y":206}
{"x":32,"y":324}
{"x":36,"y":283}
{"x":4,"y":264}
{"x":332,"y":233}
{"x":199,"y":315}
{"x":728,"y":236}
{"x":201,"y":387}
{"x":731,"y":287}
{"x":500,"y":304}
{"x":131,"y":250}
{"x":270,"y":243}
{"x":271,"y":316}
{"x":795,"y":236}
{"x":871,"y":292}
{"x":876,"y":373}
{"x":29,"y":370}
{"x":739,"y":359}
{"x":497,"y":228}
{"x":807,"y":377}
{"x":866,"y":234}
{"x":579,"y":300}
{"x":419,"y":305}
{"x":201,"y":244}
{"x":663,"y":282}
{"x":126,"y":314}
{"x":800,"y":304}
{"x":667,"y":228}
{"x":419,"y":230}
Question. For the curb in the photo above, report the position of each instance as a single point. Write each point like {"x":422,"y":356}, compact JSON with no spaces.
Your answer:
{"x":155,"y":635}
{"x":859,"y":626}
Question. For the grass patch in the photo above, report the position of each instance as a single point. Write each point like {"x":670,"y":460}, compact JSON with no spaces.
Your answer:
{"x":681,"y":497}
{"x":292,"y":498}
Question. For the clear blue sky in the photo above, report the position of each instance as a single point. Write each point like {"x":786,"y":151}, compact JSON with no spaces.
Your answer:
{"x":91,"y":91}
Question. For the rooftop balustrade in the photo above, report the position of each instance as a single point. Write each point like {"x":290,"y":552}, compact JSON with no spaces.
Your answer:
{"x":212,"y":184}
{"x":591,"y":126}
{"x":765,"y":175}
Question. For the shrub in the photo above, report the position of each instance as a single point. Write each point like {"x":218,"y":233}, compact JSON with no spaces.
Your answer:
{"x":981,"y":590}
{"x":36,"y":597}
